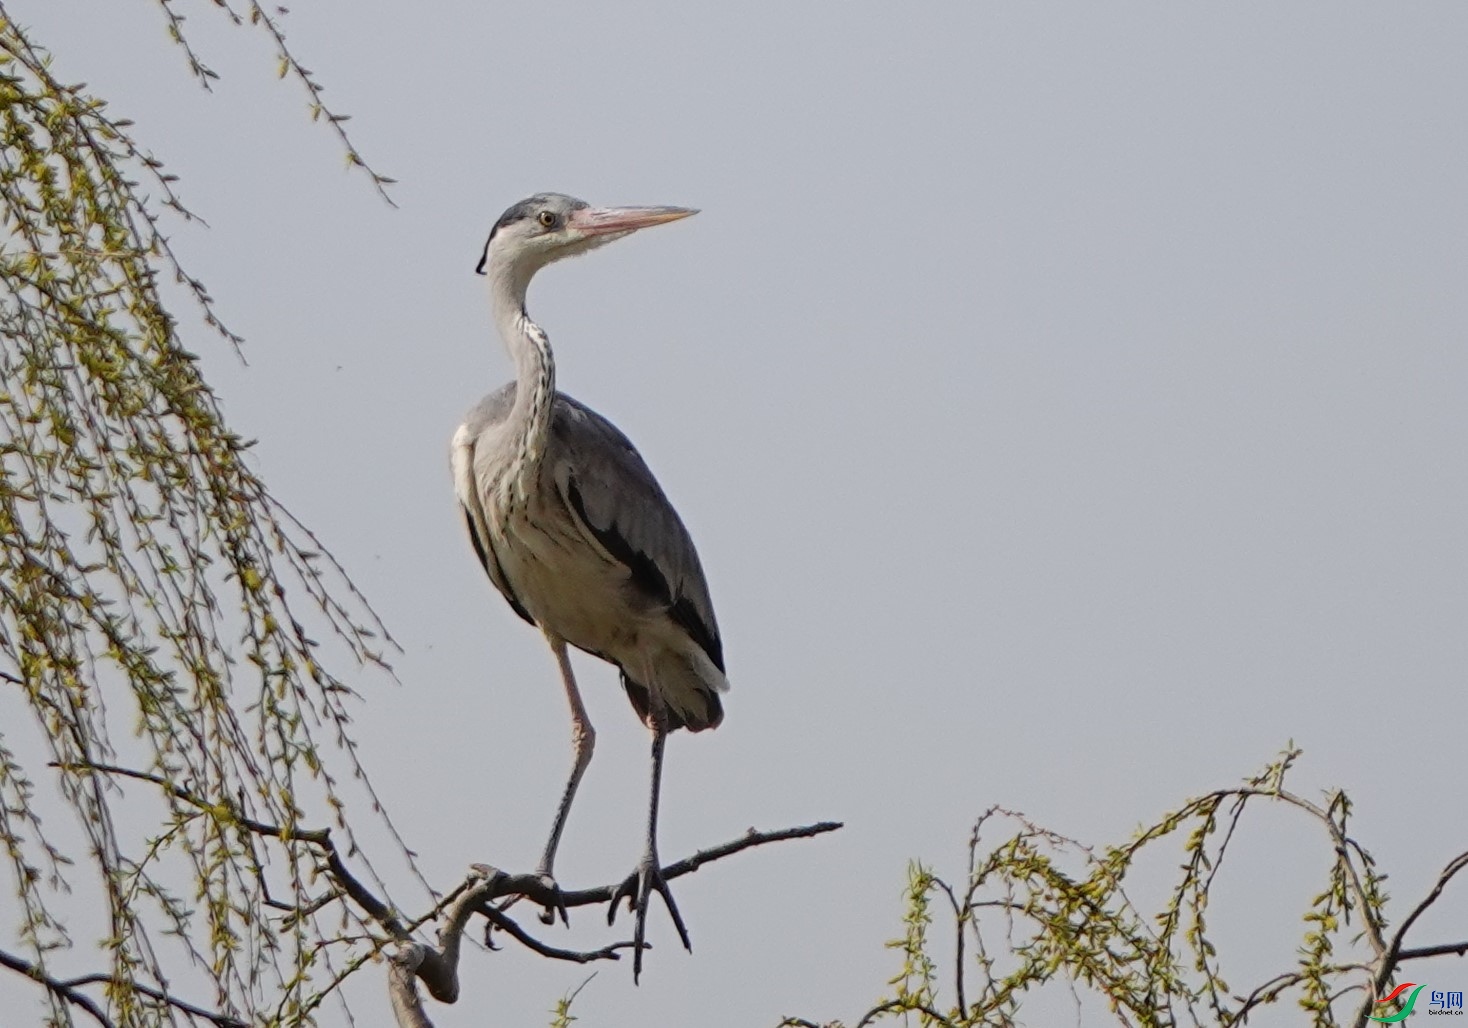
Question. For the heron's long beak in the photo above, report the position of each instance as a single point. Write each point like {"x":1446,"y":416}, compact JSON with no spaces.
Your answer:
{"x":600,"y":221}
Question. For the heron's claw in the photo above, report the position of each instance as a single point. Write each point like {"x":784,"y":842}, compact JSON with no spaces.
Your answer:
{"x":557,"y":904}
{"x":637,"y":889}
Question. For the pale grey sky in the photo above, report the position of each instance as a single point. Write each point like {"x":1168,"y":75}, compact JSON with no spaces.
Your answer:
{"x":1068,"y":402}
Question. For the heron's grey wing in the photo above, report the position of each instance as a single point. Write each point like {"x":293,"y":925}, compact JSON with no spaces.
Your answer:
{"x":608,"y":488}
{"x":489,"y":412}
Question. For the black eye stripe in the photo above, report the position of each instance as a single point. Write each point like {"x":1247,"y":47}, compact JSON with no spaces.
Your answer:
{"x":519,"y":212}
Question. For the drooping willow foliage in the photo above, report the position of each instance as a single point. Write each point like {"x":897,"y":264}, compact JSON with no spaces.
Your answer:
{"x":156,"y":609}
{"x":1036,"y":909}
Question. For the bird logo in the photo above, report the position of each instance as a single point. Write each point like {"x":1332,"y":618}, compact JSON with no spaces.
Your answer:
{"x":1411,"y":1002}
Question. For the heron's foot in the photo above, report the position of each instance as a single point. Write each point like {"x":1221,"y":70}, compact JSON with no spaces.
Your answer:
{"x":557,"y":905}
{"x":637,"y":890}
{"x":548,"y":912}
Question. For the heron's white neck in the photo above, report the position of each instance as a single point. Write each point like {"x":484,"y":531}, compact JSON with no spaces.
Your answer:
{"x":535,"y":374}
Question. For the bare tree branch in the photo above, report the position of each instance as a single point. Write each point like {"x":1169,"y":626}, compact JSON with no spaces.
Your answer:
{"x":375,"y":908}
{"x":1459,"y":949}
{"x":438,"y":968}
{"x":1387,"y":966}
{"x":500,"y":919}
{"x":584,"y":897}
{"x":402,"y":973}
{"x":1454,"y":866}
{"x":69,"y":989}
{"x":56,"y":987}
{"x":960,"y":921}
{"x":222,"y":1020}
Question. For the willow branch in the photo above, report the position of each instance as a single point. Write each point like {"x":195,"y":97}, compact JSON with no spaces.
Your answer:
{"x":318,"y":108}
{"x":904,"y":1006}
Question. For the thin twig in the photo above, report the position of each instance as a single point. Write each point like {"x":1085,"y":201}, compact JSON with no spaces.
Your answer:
{"x":318,"y":837}
{"x":69,"y":990}
{"x":905,"y":1006}
{"x":259,"y":16}
{"x":960,"y":921}
{"x":222,"y":1020}
{"x":1276,"y":986}
{"x":501,"y":920}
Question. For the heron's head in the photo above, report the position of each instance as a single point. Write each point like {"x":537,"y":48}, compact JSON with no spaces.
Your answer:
{"x":549,"y":226}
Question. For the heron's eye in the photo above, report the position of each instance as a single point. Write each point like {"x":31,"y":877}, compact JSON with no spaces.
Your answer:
{"x":547,"y":219}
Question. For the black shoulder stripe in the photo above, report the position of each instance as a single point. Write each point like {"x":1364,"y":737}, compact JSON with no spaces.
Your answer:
{"x":645,"y":573}
{"x":493,"y":569}
{"x":649,"y":579}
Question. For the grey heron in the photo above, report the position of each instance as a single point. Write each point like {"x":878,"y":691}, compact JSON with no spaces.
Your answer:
{"x":575,"y":532}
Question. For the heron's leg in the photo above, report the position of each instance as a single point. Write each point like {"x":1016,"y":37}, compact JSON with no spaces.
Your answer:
{"x":648,"y":878}
{"x":583,"y":740}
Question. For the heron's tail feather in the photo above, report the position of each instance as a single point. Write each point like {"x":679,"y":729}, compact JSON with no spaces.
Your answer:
{"x":689,"y":700}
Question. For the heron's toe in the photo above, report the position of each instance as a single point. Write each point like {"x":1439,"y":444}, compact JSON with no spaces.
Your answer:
{"x":556,"y":906}
{"x":637,"y":889}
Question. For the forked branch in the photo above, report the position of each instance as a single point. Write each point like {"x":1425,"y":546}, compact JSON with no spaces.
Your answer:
{"x":411,"y":960}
